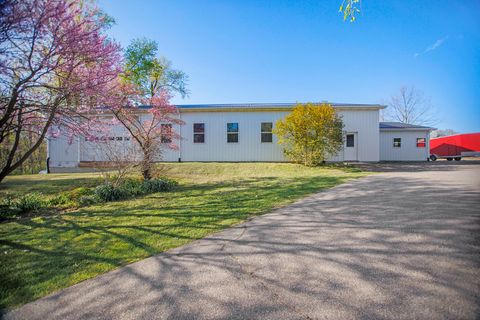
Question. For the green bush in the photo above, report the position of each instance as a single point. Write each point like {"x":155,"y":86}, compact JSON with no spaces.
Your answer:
{"x":8,"y":208}
{"x":77,"y":193}
{"x":133,"y":187}
{"x":88,"y":200}
{"x":6,"y":212}
{"x":30,"y":202}
{"x":158,"y":185}
{"x":61,"y":200}
{"x":11,"y":207}
{"x":8,"y":201}
{"x":107,"y":192}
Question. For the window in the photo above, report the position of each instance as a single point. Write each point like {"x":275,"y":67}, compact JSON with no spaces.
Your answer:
{"x":198,"y":132}
{"x":266,"y":131}
{"x":232,"y":132}
{"x":350,"y":140}
{"x":421,"y":143}
{"x":166,"y":133}
{"x":397,"y":142}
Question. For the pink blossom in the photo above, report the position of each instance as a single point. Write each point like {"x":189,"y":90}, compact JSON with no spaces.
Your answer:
{"x":56,"y":66}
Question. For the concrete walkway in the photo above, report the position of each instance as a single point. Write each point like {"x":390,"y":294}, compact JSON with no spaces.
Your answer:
{"x":396,"y":245}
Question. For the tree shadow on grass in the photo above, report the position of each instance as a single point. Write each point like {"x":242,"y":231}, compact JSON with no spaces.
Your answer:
{"x":47,"y":186}
{"x":45,"y":253}
{"x":373,"y":252}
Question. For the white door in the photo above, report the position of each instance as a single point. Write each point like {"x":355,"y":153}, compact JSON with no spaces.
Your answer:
{"x":350,"y":146}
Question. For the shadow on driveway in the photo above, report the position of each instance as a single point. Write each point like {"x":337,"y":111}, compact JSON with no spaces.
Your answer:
{"x":421,"y":166}
{"x":397,"y":245}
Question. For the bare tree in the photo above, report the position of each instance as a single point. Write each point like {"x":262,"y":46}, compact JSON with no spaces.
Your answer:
{"x":442,"y":133}
{"x":410,"y":106}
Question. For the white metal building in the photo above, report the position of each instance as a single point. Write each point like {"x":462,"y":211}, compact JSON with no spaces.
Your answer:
{"x":404,"y":142}
{"x":242,"y":132}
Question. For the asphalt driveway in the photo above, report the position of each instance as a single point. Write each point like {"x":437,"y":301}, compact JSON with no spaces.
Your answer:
{"x":404,"y":244}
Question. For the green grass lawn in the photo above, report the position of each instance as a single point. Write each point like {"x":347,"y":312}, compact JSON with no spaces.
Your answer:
{"x":50,"y":184}
{"x":43,"y":254}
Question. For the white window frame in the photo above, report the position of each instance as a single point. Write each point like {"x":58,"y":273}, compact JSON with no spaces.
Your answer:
{"x":234,"y":132}
{"x":399,"y":143}
{"x":424,"y":143}
{"x":266,"y":132}
{"x":199,"y":133}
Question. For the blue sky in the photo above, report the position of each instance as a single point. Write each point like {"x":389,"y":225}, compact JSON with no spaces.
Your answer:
{"x":289,"y":51}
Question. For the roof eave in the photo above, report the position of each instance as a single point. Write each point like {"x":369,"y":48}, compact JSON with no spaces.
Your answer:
{"x":407,"y":129}
{"x":260,"y":108}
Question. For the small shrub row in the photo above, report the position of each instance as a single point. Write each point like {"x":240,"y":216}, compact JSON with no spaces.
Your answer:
{"x":10,"y":207}
{"x":130,"y":188}
{"x":79,"y":197}
{"x":27,"y":202}
{"x":158,"y":185}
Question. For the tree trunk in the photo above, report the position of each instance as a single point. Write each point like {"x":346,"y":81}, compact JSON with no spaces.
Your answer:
{"x":146,"y":171}
{"x":146,"y":165}
{"x":31,"y":158}
{"x":9,"y":167}
{"x":3,"y":174}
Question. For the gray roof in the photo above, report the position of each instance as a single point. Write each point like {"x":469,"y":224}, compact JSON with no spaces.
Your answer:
{"x":404,"y":126}
{"x":270,"y":105}
{"x":253,"y":106}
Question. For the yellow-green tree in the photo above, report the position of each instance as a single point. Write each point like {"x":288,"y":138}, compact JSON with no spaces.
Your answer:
{"x":349,"y":8}
{"x":310,"y":133}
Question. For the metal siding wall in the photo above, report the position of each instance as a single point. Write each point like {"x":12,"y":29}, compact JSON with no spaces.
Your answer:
{"x":408,"y":150}
{"x":216,"y":148}
{"x":62,"y":153}
{"x":93,"y":151}
{"x":249,"y":147}
{"x":366,"y":124}
{"x":171,"y":155}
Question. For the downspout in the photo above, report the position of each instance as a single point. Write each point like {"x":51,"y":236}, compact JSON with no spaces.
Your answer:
{"x":79,"y":150}
{"x":48,"y":155}
{"x":427,"y":144}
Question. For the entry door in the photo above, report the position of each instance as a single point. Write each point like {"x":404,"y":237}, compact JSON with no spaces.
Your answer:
{"x":350,"y":147}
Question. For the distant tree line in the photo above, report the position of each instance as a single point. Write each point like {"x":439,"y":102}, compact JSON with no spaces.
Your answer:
{"x":35,"y":163}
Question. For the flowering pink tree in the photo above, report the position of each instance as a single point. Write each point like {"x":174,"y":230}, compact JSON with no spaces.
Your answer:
{"x":56,"y":65}
{"x":147,"y":82}
{"x":151,"y":123}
